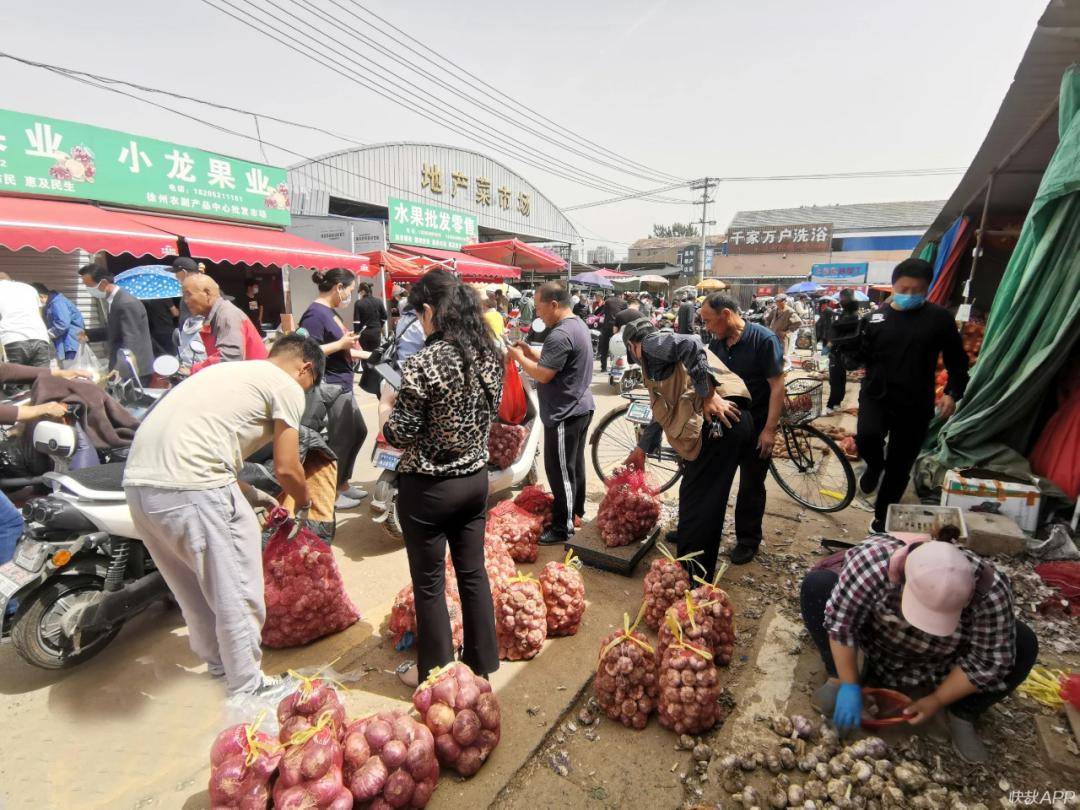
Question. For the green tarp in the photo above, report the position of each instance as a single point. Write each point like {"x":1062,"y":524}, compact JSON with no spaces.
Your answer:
{"x":1033,"y":324}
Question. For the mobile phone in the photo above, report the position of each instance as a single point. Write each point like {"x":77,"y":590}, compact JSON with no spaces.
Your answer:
{"x":390,"y":374}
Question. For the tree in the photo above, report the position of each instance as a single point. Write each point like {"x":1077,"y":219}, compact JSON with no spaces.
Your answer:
{"x":674,"y":229}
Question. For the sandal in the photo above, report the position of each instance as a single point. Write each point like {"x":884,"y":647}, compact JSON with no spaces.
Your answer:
{"x":408,"y":674}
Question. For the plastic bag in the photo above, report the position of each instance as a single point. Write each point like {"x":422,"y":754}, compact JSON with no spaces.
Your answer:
{"x":534,"y":498}
{"x":630,"y":509}
{"x":505,"y":444}
{"x":305,"y":597}
{"x":513,"y":406}
{"x":518,"y":529}
{"x":86,"y":360}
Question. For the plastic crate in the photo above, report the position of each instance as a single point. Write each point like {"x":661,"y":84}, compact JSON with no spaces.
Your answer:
{"x":920,"y":518}
{"x":802,"y":401}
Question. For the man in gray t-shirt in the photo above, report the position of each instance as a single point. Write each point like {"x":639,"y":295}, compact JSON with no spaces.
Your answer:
{"x":564,"y":370}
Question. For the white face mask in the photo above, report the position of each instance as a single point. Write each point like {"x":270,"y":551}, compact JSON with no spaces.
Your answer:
{"x":346,"y":299}
{"x":97,"y":292}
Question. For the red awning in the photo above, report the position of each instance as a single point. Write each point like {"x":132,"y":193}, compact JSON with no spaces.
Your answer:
{"x":612,"y":273}
{"x":398,"y":268}
{"x":516,"y":253}
{"x":469,"y":268}
{"x":245,"y":244}
{"x":70,"y":226}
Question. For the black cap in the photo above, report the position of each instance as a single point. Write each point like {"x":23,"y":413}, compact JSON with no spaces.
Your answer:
{"x":185,"y":263}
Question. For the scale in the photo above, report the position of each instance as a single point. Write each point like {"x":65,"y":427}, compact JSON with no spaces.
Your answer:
{"x":589,"y":546}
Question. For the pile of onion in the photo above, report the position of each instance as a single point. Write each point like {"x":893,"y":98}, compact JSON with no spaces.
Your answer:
{"x":666,"y":582}
{"x":462,"y":713}
{"x":715,"y":608}
{"x":626,"y":680}
{"x":389,"y":761}
{"x":402,"y":619}
{"x":564,"y":595}
{"x":309,"y":776}
{"x":693,"y":619}
{"x":242,"y":762}
{"x":518,"y":529}
{"x":520,"y":618}
{"x":629,"y":510}
{"x":537,"y":500}
{"x":497,"y":562}
{"x":505,"y":443}
{"x":305,"y":707}
{"x":689,"y":687}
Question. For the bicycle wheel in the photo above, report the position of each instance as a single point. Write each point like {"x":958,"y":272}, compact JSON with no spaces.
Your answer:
{"x":613,"y":440}
{"x":810,"y":468}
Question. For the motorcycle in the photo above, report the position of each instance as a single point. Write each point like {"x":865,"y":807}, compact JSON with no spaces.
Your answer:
{"x":623,"y":374}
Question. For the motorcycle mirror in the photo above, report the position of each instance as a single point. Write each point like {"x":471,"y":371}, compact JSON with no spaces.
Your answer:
{"x":198,"y":346}
{"x":166,"y":365}
{"x":538,"y":325}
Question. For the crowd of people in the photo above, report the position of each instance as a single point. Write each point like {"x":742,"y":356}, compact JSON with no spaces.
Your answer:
{"x":926,"y":614}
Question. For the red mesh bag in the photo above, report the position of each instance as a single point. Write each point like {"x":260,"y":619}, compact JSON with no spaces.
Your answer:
{"x":689,"y":686}
{"x":630,"y":509}
{"x":626,"y":682}
{"x":309,"y":776}
{"x":534,"y":498}
{"x":402,"y":621}
{"x":718,"y":616}
{"x":389,"y":761}
{"x":564,"y":595}
{"x":243,"y":760}
{"x":1070,"y":690}
{"x":463,"y":715}
{"x":520,"y":618}
{"x":497,"y":562}
{"x":305,"y":598}
{"x":505,"y":443}
{"x":666,"y":582}
{"x":305,"y":707}
{"x":693,"y":619}
{"x":518,"y":529}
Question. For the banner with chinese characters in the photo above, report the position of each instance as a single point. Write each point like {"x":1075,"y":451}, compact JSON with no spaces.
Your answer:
{"x":853,"y":273}
{"x":780,"y":239}
{"x":422,"y":224}
{"x":47,"y":156}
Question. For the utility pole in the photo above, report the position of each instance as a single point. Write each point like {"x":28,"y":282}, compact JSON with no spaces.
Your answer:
{"x":705,"y":185}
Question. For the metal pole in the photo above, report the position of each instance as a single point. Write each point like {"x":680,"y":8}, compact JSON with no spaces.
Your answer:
{"x":979,"y":237}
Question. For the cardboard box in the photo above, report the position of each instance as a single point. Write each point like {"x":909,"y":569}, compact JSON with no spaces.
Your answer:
{"x":990,"y":492}
{"x":994,"y":534}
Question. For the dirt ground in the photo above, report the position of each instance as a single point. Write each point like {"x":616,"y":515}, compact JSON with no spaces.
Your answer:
{"x":132,"y":727}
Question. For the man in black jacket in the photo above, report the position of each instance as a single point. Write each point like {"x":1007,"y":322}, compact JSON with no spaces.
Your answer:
{"x":612,"y":307}
{"x":684,"y":324}
{"x":126,"y":325}
{"x":901,"y":344}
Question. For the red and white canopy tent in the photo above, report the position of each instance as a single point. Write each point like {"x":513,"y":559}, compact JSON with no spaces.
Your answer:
{"x":516,"y":253}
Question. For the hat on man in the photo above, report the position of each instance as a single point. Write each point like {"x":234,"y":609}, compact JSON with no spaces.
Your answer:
{"x":938,"y":585}
{"x":782,"y":297}
{"x":186,"y":264}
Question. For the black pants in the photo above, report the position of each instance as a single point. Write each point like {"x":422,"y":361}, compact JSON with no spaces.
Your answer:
{"x":818,"y":585}
{"x":750,"y":502}
{"x":602,"y":347}
{"x":905,"y":426}
{"x":703,"y":495}
{"x":346,"y":432}
{"x":436,"y":512}
{"x":564,"y":463}
{"x":837,"y":381}
{"x":37,"y":353}
{"x":163,"y":343}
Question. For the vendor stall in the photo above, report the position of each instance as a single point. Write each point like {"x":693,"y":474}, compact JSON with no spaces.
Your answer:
{"x":519,"y":254}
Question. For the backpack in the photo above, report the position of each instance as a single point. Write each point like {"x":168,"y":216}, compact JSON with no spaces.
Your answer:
{"x":386,"y":352}
{"x":847,"y":339}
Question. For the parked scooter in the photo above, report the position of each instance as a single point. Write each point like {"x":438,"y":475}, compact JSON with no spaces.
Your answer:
{"x":623,"y":374}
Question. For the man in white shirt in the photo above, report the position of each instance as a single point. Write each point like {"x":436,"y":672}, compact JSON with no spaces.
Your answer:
{"x":193,"y":514}
{"x":22,"y":330}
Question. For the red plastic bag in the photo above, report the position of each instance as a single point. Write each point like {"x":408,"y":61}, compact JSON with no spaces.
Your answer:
{"x":243,"y":761}
{"x":534,"y":498}
{"x":402,"y":621}
{"x":630,"y":509}
{"x":305,"y":598}
{"x":513,"y":406}
{"x":518,"y":529}
{"x":505,"y":444}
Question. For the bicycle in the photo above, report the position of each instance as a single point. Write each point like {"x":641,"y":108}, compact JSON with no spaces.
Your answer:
{"x":807,"y":464}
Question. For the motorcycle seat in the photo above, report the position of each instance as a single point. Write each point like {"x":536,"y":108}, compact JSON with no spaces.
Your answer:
{"x":103,"y":482}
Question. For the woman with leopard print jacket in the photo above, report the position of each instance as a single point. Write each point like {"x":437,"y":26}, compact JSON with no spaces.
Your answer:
{"x":449,"y":396}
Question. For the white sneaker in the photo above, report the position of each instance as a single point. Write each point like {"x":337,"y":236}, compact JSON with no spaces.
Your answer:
{"x":276,"y":687}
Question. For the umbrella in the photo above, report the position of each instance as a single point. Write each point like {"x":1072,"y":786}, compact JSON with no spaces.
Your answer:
{"x":711,"y":284}
{"x":512,"y":291}
{"x":591,"y":280}
{"x":652,"y":280}
{"x":861,"y":296}
{"x":150,"y":282}
{"x":805,"y":287}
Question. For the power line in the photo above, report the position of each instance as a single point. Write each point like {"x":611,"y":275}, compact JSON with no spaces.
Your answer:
{"x":624,"y":197}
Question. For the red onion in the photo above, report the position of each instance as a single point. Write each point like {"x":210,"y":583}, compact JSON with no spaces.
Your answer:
{"x":520,"y":618}
{"x":400,"y":769}
{"x":242,"y":762}
{"x":310,"y":775}
{"x":629,"y":510}
{"x":665,"y":583}
{"x":505,"y":444}
{"x":462,"y":715}
{"x":564,"y":595}
{"x":689,"y":686}
{"x":626,"y":683}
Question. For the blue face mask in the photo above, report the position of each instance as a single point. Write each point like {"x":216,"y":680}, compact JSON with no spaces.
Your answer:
{"x":914,"y":301}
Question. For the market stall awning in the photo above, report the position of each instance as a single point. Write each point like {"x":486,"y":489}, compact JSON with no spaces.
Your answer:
{"x":516,"y":253}
{"x":398,"y":267}
{"x":69,"y":226}
{"x":242,"y":244}
{"x":468,"y":267}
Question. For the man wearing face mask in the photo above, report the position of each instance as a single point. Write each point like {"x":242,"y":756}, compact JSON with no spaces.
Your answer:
{"x":901,"y":345}
{"x":126,"y":324}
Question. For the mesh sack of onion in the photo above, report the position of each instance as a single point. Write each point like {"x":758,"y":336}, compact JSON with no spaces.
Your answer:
{"x":497,"y":562}
{"x":564,"y":595}
{"x":401,"y":623}
{"x":505,"y":443}
{"x":463,"y":715}
{"x":718,"y":615}
{"x":689,"y":686}
{"x":629,"y":510}
{"x":305,"y":597}
{"x":243,"y":760}
{"x":518,"y":529}
{"x":626,"y":678}
{"x":666,"y":582}
{"x":309,"y":775}
{"x":520,"y":618}
{"x":534,"y":498}
{"x":389,"y":761}
{"x":304,"y":708}
{"x":693,"y":619}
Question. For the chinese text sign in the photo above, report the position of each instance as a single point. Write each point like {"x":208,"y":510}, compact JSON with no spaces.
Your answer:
{"x":422,"y":224}
{"x":780,"y":239}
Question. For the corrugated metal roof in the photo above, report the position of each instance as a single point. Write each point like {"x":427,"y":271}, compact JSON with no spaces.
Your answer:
{"x":1054,"y":46}
{"x":858,"y":217}
{"x":715,"y":239}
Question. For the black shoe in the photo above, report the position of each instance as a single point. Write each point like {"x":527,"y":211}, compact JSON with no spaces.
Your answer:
{"x":741,"y":555}
{"x":551,"y":538}
{"x":869,"y":481}
{"x":877,"y":526}
{"x":672,"y":539}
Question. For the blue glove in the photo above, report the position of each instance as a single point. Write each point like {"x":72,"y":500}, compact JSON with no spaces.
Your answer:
{"x":848,"y":711}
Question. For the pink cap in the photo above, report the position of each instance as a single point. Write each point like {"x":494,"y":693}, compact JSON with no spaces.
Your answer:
{"x":938,"y":584}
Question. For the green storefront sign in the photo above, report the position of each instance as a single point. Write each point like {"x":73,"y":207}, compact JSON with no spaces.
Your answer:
{"x":425,"y":225}
{"x":47,"y":156}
